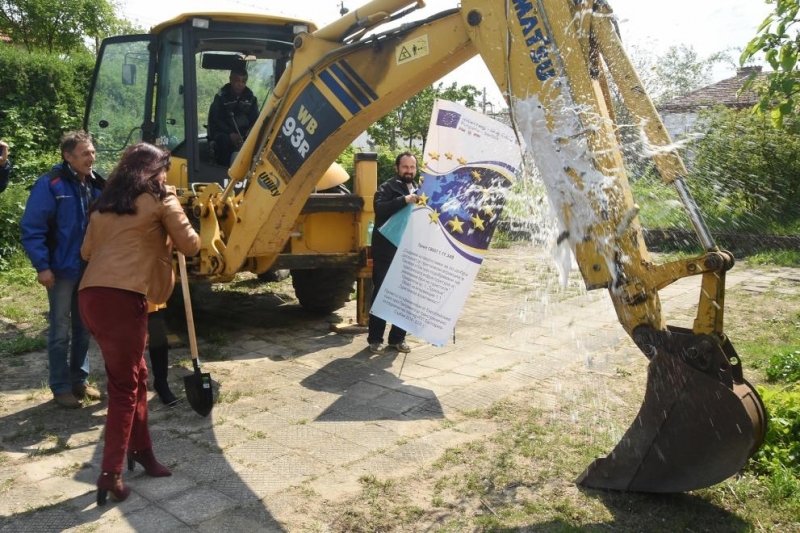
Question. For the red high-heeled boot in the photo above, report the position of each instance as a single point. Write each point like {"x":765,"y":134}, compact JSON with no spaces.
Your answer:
{"x":151,"y":466}
{"x":111,"y":482}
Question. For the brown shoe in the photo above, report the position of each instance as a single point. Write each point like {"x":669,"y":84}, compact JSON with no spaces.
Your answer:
{"x":67,"y":400}
{"x":87,"y":391}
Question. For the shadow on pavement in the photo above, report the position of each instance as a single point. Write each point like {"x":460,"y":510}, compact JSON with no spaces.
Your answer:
{"x":51,"y":460}
{"x":49,"y":485}
{"x":368,"y":391}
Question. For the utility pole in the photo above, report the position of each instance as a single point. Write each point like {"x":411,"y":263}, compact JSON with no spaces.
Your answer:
{"x":485,"y":102}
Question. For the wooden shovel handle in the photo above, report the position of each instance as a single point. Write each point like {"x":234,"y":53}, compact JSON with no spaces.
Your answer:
{"x":187,"y":302}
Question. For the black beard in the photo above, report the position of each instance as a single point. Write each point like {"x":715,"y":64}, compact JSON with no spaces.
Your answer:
{"x":405,"y":178}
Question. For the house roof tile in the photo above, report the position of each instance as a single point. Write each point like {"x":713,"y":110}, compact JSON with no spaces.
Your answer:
{"x":725,"y":92}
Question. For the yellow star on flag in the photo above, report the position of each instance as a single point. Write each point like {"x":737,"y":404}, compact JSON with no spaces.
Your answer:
{"x":477,"y":222}
{"x":423,"y":199}
{"x":475,"y":175}
{"x":434,"y":155}
{"x":448,"y":155}
{"x":462,"y":160}
{"x":488,"y":211}
{"x":455,"y":225}
{"x":434,"y":216}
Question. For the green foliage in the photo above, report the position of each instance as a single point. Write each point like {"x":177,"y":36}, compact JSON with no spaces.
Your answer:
{"x":781,"y":448}
{"x":22,"y":305}
{"x":57,"y":26}
{"x":347,"y":160}
{"x":680,"y":71}
{"x":41,"y":97}
{"x":789,"y":258}
{"x":21,"y":345}
{"x":784,"y":367}
{"x":12,"y":203}
{"x":409,"y":122}
{"x":659,"y":204}
{"x":777,"y":37}
{"x":744,"y":174}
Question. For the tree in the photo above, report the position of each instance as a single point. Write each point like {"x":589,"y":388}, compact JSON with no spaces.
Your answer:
{"x":778,"y":39}
{"x":57,"y":26}
{"x":677,"y":72}
{"x":411,"y":119}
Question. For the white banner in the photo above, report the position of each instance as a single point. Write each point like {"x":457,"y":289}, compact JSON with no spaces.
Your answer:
{"x":470,"y":162}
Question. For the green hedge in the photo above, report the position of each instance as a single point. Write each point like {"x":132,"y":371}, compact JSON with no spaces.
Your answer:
{"x":41,"y":97}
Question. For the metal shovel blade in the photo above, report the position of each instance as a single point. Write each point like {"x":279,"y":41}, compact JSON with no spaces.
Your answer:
{"x":692,"y":431}
{"x":199,"y":391}
{"x":197,"y":385}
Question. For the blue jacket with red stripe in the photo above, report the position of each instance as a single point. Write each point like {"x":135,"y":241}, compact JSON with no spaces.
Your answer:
{"x":55,"y":220}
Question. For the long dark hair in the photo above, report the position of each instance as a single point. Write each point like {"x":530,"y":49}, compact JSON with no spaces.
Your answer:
{"x":136,"y":173}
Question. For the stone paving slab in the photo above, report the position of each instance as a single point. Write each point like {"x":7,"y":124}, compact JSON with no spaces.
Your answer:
{"x":305,"y":412}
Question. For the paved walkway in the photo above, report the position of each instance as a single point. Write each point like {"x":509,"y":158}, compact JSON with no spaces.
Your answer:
{"x":303,"y":412}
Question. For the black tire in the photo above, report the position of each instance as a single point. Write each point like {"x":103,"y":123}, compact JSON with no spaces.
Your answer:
{"x":323,"y":290}
{"x":274,"y":275}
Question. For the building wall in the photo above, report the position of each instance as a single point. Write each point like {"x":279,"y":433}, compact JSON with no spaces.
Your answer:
{"x":679,"y":124}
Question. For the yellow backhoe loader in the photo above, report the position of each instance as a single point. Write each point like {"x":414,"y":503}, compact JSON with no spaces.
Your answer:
{"x":319,"y":88}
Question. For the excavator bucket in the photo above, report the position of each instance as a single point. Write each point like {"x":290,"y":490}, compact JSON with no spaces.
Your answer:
{"x":696,"y":427}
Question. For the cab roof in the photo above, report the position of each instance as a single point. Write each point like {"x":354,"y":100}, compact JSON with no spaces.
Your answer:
{"x":226,"y":16}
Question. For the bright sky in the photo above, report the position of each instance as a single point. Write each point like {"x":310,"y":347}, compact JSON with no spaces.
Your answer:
{"x":709,"y":26}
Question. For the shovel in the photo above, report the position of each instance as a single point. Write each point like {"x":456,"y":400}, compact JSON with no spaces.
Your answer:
{"x":198,"y":385}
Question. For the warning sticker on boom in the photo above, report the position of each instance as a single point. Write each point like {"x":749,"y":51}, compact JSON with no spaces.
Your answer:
{"x":411,"y":50}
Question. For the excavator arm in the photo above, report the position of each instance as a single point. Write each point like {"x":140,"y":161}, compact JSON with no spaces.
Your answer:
{"x":552,"y":59}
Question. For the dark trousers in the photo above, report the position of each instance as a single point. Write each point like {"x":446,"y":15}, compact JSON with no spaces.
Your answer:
{"x":158,"y":347}
{"x":224,"y":149}
{"x":377,"y":325}
{"x":117,"y":320}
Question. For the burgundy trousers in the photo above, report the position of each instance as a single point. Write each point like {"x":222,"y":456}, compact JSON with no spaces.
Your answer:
{"x":117,"y":319}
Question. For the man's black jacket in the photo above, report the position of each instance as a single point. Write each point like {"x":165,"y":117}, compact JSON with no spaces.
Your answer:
{"x":388,"y":200}
{"x":244,"y":111}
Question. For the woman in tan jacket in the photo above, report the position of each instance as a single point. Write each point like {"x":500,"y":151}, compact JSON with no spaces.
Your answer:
{"x":128,"y":244}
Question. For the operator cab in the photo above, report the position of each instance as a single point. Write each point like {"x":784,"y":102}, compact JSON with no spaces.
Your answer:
{"x":159,"y":87}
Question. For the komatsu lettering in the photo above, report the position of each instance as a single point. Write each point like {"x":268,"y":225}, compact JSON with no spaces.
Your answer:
{"x":536,"y":40}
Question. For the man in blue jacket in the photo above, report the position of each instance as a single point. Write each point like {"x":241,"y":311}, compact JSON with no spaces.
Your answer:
{"x":53,"y":227}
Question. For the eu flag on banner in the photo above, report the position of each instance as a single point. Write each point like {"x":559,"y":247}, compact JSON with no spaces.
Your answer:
{"x":447,"y":119}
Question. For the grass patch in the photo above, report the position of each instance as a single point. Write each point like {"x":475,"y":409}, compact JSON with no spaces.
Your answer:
{"x":765,"y":324}
{"x":23,"y":308}
{"x":54,"y":444}
{"x":383,"y":505}
{"x":787,"y":258}
{"x":22,"y":344}
{"x":68,"y":471}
